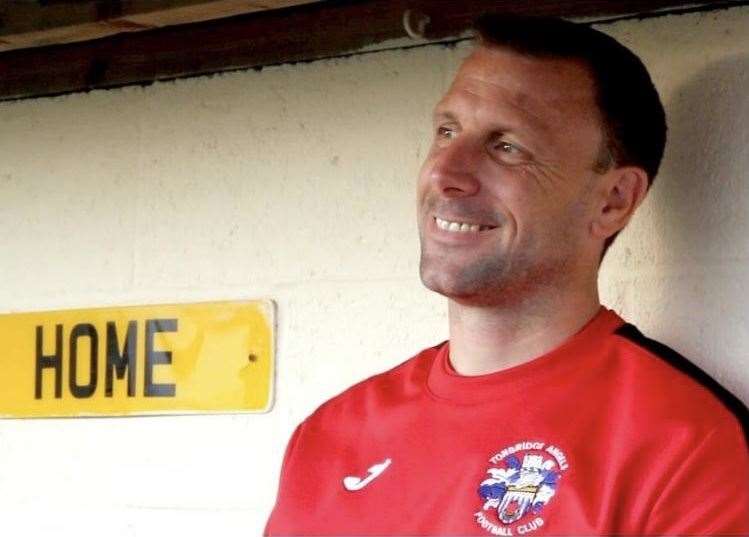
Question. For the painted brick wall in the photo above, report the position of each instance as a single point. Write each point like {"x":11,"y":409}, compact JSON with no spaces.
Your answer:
{"x":297,"y":183}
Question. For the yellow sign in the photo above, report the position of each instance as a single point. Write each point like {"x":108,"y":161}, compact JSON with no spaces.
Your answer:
{"x":172,"y":359}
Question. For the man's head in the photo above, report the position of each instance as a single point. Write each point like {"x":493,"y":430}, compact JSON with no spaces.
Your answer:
{"x":543,"y":147}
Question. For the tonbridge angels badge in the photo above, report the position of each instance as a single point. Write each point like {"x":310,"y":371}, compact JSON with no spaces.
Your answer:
{"x":523,"y":479}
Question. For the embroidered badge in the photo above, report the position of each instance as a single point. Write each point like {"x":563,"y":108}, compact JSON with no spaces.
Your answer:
{"x":523,"y":479}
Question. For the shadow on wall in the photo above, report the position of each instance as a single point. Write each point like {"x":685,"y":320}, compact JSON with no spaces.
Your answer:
{"x":703,"y":213}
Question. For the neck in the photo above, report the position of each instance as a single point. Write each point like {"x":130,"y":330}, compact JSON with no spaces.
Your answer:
{"x":486,"y":339}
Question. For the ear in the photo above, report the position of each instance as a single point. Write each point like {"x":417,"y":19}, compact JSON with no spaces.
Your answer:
{"x":622,"y":191}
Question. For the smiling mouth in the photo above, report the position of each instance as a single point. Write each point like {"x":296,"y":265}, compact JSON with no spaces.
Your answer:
{"x":460,"y":227}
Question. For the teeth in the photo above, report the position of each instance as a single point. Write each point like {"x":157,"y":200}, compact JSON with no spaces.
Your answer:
{"x":461,"y":227}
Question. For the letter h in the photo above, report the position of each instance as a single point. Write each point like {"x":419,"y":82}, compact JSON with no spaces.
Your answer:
{"x":53,"y":361}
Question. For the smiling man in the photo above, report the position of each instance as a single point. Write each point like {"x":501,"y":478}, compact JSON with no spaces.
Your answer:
{"x":544,"y":413}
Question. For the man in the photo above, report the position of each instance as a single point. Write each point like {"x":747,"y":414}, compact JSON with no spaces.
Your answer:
{"x":544,"y":413}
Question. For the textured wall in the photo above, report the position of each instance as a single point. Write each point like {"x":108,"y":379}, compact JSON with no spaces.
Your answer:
{"x":296,"y":183}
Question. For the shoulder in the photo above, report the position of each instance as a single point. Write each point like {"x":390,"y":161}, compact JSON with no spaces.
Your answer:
{"x":674,"y":389}
{"x":378,"y":393}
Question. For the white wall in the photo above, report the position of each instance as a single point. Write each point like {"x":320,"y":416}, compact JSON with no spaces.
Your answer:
{"x":297,"y":183}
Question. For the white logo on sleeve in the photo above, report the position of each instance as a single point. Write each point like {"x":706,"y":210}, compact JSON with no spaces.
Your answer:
{"x":354,"y":483}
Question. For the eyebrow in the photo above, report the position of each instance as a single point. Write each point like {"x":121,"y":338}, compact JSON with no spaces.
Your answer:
{"x":439,"y":114}
{"x":532,"y":136}
{"x":446,"y":114}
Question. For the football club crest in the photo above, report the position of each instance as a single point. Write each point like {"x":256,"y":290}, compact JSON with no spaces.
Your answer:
{"x":522,"y":479}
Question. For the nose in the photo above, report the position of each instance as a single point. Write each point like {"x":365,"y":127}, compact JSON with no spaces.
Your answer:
{"x":453,"y":170}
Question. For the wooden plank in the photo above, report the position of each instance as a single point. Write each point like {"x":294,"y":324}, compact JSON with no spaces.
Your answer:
{"x":35,"y":26}
{"x":303,"y":32}
{"x":212,"y":9}
{"x":25,"y":16}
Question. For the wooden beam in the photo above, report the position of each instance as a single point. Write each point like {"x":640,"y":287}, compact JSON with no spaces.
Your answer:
{"x":25,"y":16}
{"x":305,"y":32}
{"x":67,"y":21}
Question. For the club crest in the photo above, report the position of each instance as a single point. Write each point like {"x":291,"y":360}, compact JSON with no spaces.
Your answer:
{"x":522,"y":480}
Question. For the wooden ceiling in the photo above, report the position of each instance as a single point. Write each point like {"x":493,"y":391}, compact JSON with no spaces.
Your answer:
{"x":25,"y":24}
{"x":49,"y":47}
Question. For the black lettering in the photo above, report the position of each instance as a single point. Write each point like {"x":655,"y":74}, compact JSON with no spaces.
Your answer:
{"x":153,"y":357}
{"x":118,"y":363}
{"x":84,"y":390}
{"x":53,"y":361}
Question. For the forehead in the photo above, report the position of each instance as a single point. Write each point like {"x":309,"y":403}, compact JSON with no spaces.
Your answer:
{"x":541,"y":93}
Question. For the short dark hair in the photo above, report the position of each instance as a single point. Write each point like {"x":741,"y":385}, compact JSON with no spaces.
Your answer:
{"x":634,"y":122}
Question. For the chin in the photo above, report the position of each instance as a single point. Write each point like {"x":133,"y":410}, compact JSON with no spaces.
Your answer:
{"x":455,"y":287}
{"x":490,"y":283}
{"x":469,"y":297}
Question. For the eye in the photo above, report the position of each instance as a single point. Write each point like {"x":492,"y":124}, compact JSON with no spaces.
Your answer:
{"x":506,"y":147}
{"x":509,"y":152}
{"x":445,"y":132}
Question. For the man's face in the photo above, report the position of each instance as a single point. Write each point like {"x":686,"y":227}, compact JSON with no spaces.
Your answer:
{"x":505,"y":193}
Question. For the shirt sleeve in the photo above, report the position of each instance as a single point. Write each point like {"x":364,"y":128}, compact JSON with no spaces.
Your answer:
{"x":276,"y":520}
{"x":708,"y":494}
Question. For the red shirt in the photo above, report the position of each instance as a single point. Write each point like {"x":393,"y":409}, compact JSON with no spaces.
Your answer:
{"x":610,"y":433}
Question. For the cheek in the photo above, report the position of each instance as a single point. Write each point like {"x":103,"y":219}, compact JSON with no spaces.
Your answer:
{"x":422,"y":182}
{"x":535,"y":204}
{"x":517,"y":190}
